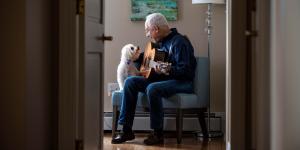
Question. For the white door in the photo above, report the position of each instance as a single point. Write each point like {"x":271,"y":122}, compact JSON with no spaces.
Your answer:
{"x":91,"y":48}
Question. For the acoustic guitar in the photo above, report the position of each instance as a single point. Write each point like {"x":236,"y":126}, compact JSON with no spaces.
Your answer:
{"x":154,"y":58}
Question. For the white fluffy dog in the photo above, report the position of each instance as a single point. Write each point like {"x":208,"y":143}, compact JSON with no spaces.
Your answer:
{"x":126,"y":67}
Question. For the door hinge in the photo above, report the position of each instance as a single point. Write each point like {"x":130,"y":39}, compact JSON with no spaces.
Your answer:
{"x":78,"y":144}
{"x":80,"y":7}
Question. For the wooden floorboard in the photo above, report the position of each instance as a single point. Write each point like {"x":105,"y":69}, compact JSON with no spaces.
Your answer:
{"x":189,"y":142}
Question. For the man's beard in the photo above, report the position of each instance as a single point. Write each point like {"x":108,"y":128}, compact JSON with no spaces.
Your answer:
{"x":153,"y":40}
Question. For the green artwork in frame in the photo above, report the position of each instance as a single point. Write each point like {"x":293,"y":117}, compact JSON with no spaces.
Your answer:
{"x":141,"y":8}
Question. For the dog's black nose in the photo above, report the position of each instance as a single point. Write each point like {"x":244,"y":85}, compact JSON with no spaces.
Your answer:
{"x":132,"y":48}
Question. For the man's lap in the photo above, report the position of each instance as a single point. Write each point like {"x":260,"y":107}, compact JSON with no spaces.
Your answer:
{"x":166,"y":87}
{"x":169,"y":87}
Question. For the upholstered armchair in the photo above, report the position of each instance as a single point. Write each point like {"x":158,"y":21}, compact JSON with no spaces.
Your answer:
{"x":180,"y":103}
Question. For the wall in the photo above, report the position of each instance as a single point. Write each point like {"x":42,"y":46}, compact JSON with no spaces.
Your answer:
{"x":285,"y":74}
{"x":27,"y":99}
{"x":191,"y":22}
{"x":41,"y":74}
{"x":12,"y":76}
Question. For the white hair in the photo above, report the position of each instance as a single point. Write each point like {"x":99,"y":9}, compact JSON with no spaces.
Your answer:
{"x":156,"y":19}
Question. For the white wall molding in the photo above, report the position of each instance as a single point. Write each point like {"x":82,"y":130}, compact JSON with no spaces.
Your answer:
{"x":190,"y":122}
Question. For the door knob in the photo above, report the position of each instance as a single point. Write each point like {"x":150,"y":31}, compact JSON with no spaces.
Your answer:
{"x":104,"y":38}
{"x":251,"y":33}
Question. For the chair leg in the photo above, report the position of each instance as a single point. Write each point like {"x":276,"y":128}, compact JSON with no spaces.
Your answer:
{"x":115,"y":120}
{"x":201,"y":118}
{"x":179,"y":125}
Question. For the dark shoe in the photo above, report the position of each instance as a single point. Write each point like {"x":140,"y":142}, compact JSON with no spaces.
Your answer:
{"x":154,"y":138}
{"x":123,"y":137}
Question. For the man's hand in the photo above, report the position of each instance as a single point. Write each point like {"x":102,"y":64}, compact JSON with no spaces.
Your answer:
{"x":144,"y":73}
{"x":158,"y":69}
{"x":162,"y":68}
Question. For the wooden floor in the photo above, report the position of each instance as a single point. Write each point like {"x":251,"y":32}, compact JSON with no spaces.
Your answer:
{"x":189,"y":142}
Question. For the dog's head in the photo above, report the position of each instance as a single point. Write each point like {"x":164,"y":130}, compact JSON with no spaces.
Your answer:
{"x":130,"y":52}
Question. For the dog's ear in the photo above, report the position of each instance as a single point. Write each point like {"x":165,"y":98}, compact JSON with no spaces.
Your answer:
{"x":129,"y":53}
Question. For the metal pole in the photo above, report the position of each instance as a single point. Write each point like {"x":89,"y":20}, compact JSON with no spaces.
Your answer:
{"x":211,"y":134}
{"x":209,"y":28}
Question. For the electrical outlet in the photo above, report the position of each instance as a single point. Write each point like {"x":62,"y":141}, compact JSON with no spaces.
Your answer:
{"x":111,"y":87}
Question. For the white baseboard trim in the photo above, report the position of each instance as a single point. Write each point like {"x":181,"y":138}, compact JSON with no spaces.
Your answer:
{"x":190,"y":123}
{"x":228,"y":146}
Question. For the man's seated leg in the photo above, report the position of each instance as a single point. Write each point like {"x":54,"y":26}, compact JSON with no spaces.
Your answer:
{"x":125,"y":135}
{"x":155,"y":92}
{"x":155,"y":137}
{"x":132,"y":86}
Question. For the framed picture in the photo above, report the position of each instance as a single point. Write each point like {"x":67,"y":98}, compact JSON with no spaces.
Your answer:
{"x":141,"y":8}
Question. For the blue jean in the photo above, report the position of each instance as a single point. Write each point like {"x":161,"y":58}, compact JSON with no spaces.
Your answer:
{"x":154,"y":91}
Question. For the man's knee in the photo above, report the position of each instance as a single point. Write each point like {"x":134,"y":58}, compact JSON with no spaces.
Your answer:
{"x":129,"y":82}
{"x":152,"y":90}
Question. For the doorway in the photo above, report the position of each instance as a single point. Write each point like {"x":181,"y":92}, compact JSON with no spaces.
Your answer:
{"x":195,"y":31}
{"x":191,"y":21}
{"x":74,"y":83}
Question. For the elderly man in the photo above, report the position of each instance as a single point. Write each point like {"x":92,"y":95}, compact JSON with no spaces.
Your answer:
{"x":178,"y":79}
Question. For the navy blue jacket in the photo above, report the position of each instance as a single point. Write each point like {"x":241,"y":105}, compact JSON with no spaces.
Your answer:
{"x":181,"y":54}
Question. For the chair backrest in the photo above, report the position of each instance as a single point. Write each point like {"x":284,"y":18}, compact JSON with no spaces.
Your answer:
{"x":201,"y":81}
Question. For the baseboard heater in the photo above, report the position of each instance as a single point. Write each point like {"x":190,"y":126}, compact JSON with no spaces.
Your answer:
{"x":190,"y":122}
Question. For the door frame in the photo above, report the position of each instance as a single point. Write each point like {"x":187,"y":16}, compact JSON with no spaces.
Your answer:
{"x":68,"y":89}
{"x":235,"y":74}
{"x":237,"y":87}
